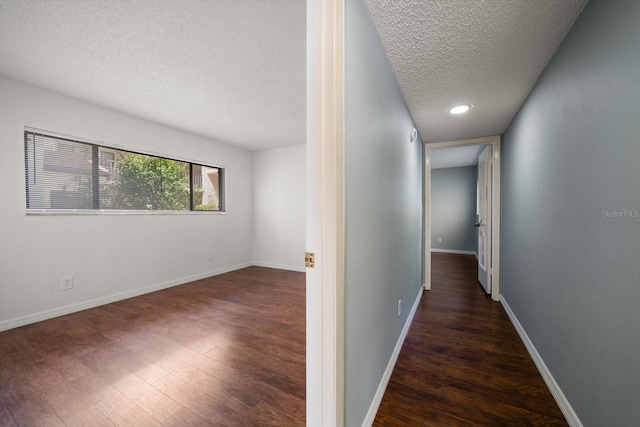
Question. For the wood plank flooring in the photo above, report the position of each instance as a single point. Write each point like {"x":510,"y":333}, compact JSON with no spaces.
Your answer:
{"x":230,"y":351}
{"x":462,"y":363}
{"x":224,"y":351}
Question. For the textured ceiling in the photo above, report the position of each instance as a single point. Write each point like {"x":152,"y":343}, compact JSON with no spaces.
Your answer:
{"x":234,"y":70}
{"x":455,"y":157}
{"x":231,"y":70}
{"x":488,"y":53}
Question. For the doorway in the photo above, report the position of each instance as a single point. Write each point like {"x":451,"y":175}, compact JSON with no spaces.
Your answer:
{"x":491,"y":226}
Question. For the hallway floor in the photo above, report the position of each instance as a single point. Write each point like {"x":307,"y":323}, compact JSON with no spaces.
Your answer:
{"x":463,"y":363}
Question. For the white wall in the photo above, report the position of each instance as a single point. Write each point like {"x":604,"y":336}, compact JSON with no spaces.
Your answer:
{"x":109,"y":256}
{"x":279,"y":195}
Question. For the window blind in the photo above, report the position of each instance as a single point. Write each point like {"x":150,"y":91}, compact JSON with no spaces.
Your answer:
{"x":67,"y":174}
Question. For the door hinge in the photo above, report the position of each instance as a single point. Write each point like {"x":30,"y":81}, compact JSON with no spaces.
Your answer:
{"x":309,"y":259}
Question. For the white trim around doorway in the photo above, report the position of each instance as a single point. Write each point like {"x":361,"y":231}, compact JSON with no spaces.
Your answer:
{"x":495,"y":142}
{"x":325,"y":214}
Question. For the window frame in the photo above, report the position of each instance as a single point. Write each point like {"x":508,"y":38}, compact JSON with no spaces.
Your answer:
{"x":95,"y":146}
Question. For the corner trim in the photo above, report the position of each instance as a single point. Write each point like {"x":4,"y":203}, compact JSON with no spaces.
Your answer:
{"x":377,"y":398}
{"x":73,"y":308}
{"x":554,"y":388}
{"x":279,"y":266}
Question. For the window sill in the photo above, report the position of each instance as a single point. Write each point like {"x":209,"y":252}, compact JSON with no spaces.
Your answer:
{"x":116,"y":212}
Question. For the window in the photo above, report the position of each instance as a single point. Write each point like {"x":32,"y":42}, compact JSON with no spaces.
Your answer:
{"x":63,"y":173}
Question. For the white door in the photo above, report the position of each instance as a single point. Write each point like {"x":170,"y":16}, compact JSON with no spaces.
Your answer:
{"x":483,"y":223}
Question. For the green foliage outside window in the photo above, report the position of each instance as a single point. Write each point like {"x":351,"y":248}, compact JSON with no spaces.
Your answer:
{"x":64,"y":174}
{"x":148,"y":182}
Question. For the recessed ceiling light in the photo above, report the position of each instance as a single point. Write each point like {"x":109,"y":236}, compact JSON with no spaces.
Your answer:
{"x":459,"y":109}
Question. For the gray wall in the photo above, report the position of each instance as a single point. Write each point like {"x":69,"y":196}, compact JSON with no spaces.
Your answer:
{"x":453,"y":208}
{"x":571,"y":269}
{"x":383,"y":193}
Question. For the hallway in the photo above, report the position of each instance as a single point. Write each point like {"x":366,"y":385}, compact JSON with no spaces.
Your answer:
{"x":462,"y":363}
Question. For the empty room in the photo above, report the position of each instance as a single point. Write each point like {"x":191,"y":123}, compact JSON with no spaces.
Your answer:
{"x":321,"y":212}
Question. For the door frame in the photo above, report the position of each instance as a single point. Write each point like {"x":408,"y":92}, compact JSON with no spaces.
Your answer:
{"x":495,"y":142}
{"x":325,"y":214}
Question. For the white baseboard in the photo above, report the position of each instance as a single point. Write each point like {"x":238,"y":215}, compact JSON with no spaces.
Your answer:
{"x":377,"y":398}
{"x":558,"y":395}
{"x":279,"y":266}
{"x":453,"y":251}
{"x":72,"y":308}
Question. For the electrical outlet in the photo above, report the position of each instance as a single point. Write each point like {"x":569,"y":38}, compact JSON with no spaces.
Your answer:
{"x":210,"y":258}
{"x":66,"y":283}
{"x":439,"y":239}
{"x":399,"y":307}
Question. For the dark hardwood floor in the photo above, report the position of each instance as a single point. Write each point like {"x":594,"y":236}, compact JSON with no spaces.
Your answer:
{"x":224,"y":351}
{"x":463,"y":363}
{"x":230,"y":351}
